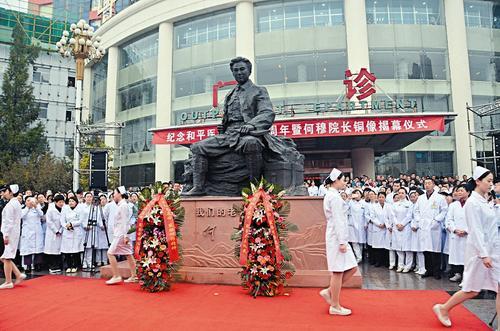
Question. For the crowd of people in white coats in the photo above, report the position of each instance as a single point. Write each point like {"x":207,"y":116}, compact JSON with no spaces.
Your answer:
{"x":58,"y":231}
{"x":409,"y":223}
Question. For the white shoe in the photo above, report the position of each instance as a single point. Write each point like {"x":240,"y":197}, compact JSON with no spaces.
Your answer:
{"x":6,"y":286}
{"x":417,"y":270}
{"x":73,"y":270}
{"x":456,"y":278}
{"x":406,"y":270}
{"x":325,"y":294}
{"x":399,"y":269}
{"x":20,"y":279}
{"x":358,"y":261}
{"x":131,"y":280}
{"x":444,"y":320}
{"x":114,"y":280}
{"x":68,"y":271}
{"x":391,"y":267}
{"x":460,"y":285}
{"x":342,"y":311}
{"x":421,"y":272}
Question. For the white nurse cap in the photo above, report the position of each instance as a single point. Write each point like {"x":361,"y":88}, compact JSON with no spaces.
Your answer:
{"x":334,"y":174}
{"x":122,"y":189}
{"x":478,"y":172}
{"x":14,"y":188}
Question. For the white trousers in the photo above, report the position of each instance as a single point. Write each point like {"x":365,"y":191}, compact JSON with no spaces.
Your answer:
{"x":421,"y":262}
{"x":358,"y":250}
{"x":405,"y":259}
{"x":392,"y":258}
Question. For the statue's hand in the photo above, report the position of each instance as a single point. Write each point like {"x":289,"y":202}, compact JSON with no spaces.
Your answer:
{"x":245,"y":129}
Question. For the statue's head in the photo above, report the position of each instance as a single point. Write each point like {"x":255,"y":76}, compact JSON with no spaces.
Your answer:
{"x":241,"y":69}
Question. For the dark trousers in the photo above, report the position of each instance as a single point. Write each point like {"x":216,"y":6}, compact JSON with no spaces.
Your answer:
{"x":72,"y":260}
{"x":457,"y":269}
{"x":28,"y":259}
{"x":54,"y":261}
{"x":381,"y":257}
{"x":433,"y":263}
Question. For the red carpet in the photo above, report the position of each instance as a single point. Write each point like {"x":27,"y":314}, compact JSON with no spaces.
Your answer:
{"x":70,"y":303}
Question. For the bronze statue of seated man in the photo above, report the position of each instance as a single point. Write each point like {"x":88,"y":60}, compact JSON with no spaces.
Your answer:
{"x":248,"y":116}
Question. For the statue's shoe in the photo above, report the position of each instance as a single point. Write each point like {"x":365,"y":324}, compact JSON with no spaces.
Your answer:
{"x":195,"y":191}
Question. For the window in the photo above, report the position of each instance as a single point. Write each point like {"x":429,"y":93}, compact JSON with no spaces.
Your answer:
{"x":287,"y":15}
{"x":98,"y":95}
{"x":482,"y":14}
{"x":138,"y":50}
{"x":293,"y":68}
{"x":135,"y":135}
{"x":409,"y":64}
{"x":138,"y":94}
{"x":43,"y":106}
{"x":68,"y":147}
{"x":41,"y":75}
{"x":71,"y":81}
{"x":200,"y":80}
{"x":428,"y":12}
{"x":69,"y":115}
{"x":484,"y":66}
{"x":423,"y":163}
{"x":205,"y":29}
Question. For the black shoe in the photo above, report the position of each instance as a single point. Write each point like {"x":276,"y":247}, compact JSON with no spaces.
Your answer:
{"x":28,"y":269}
{"x":377,"y":265}
{"x":195,"y":192}
{"x":427,"y":274}
{"x":438,"y":277}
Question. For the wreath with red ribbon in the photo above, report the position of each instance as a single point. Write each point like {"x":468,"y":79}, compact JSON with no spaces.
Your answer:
{"x":260,"y":240}
{"x":158,"y":229}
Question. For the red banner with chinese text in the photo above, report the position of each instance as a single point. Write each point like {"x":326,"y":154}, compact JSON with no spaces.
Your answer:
{"x":316,"y":127}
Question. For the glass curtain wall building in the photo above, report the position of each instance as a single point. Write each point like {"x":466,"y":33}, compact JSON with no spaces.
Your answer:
{"x":300,"y":50}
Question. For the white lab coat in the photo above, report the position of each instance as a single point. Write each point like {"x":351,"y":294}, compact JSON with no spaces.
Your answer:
{"x":120,"y":228}
{"x":337,"y":233}
{"x":368,"y":216}
{"x":313,"y":191}
{"x":483,"y":241}
{"x":71,"y":239}
{"x":109,"y":212}
{"x":133,"y":219}
{"x":455,"y":220}
{"x":11,"y":227}
{"x":381,"y":238}
{"x":431,"y":214}
{"x":415,"y":235}
{"x":32,"y":238}
{"x":52,"y":240}
{"x":322,"y":190}
{"x":356,"y":221}
{"x":401,"y":240}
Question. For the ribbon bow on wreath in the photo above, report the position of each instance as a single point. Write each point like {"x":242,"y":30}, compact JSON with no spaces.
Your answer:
{"x":168,"y":221}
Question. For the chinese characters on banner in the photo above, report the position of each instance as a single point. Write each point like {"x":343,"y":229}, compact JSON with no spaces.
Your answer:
{"x":310,"y":128}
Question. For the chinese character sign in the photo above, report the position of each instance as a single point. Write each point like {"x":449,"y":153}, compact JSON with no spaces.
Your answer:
{"x":361,"y":84}
{"x":317,"y":127}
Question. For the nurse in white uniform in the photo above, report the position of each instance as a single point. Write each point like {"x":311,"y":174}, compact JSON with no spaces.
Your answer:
{"x":482,"y":251}
{"x":457,"y":228}
{"x":416,"y":246}
{"x":340,"y":257}
{"x":121,"y":244}
{"x":11,"y":230}
{"x":32,"y":238}
{"x":357,"y":223}
{"x":71,"y":243}
{"x":401,"y":233}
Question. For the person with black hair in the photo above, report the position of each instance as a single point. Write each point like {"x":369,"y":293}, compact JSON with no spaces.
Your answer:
{"x":401,"y":234}
{"x":416,"y":246}
{"x":382,"y":218}
{"x":53,"y":235}
{"x":369,"y":215}
{"x":340,"y":257}
{"x":11,"y":231}
{"x":357,"y":222}
{"x":430,"y":211}
{"x":457,"y":228}
{"x":121,"y":244}
{"x":482,"y":250}
{"x":3,"y":203}
{"x":32,"y":237}
{"x":71,"y":244}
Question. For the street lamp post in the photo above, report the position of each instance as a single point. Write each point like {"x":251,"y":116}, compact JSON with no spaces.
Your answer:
{"x":83,"y":46}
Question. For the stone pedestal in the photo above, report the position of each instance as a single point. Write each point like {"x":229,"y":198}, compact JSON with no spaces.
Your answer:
{"x":208,"y":251}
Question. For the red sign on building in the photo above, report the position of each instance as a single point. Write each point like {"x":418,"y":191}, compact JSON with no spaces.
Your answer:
{"x":316,"y":127}
{"x":362,"y":85}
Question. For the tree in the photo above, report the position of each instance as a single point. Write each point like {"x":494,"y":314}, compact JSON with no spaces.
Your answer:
{"x":40,"y":173}
{"x":22,"y":138}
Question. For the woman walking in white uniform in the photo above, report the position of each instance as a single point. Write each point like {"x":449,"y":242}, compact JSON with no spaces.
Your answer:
{"x":11,"y":230}
{"x":340,"y":257}
{"x":121,"y":244}
{"x":482,"y":251}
